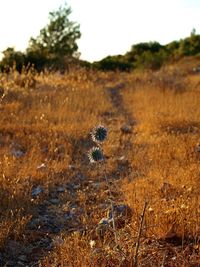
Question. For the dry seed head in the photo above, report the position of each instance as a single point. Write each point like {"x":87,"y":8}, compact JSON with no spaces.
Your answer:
{"x":95,"y":154}
{"x":99,"y":134}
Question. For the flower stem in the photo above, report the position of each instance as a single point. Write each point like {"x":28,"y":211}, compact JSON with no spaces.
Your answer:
{"x":139,"y":235}
{"x":111,"y":202}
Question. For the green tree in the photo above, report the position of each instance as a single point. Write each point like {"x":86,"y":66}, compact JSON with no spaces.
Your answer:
{"x":114,"y":63}
{"x":172,"y":49}
{"x":11,"y":58}
{"x":58,"y":39}
{"x":142,"y":50}
{"x":150,"y":60}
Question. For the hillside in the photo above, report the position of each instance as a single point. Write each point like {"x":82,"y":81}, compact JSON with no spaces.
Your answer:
{"x":56,"y":206}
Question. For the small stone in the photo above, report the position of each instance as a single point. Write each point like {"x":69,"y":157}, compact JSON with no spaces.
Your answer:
{"x":41,"y":166}
{"x":96,"y":185}
{"x":150,"y":209}
{"x":60,"y":189}
{"x":17,"y":153}
{"x":68,"y":215}
{"x":92,"y":243}
{"x":72,"y":167}
{"x":126,"y":129}
{"x":121,"y":158}
{"x":77,"y":186}
{"x":190,"y":189}
{"x":54,"y":201}
{"x":44,"y":149}
{"x":73,"y":211}
{"x":196,"y":70}
{"x":183,"y":206}
{"x":36,"y":191}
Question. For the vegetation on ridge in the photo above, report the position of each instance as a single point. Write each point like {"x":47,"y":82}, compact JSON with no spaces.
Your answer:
{"x":56,"y":49}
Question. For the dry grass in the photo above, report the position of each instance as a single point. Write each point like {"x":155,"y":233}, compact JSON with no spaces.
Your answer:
{"x":165,"y":161}
{"x":47,"y":119}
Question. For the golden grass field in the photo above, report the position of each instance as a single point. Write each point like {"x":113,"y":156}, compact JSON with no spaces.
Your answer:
{"x":152,"y":156}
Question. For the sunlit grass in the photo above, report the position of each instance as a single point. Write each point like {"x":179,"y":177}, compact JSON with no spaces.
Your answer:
{"x":164,"y":158}
{"x":47,"y":117}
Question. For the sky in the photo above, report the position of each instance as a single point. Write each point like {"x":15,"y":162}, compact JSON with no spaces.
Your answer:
{"x":108,"y":27}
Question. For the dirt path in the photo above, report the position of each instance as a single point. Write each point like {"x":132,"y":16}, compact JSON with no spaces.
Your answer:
{"x":126,"y":129}
{"x":72,"y":207}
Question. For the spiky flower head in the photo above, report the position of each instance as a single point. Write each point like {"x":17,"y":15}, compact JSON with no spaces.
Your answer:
{"x":95,"y":154}
{"x":99,"y":134}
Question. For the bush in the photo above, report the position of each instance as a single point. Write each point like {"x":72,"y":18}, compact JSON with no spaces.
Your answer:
{"x":113,"y":63}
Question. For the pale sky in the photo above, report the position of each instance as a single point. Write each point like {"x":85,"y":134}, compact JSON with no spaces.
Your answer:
{"x":108,"y":27}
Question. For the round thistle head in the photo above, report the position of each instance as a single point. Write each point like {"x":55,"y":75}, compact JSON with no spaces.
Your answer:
{"x":99,"y":134}
{"x":95,"y":154}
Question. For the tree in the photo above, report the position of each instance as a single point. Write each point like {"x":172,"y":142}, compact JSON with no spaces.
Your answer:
{"x":58,"y":38}
{"x":172,"y":49}
{"x":11,"y":58}
{"x":114,"y":63}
